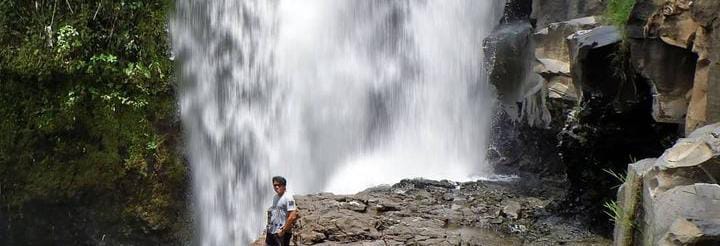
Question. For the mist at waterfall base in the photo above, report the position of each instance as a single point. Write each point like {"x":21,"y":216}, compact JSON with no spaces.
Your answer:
{"x":336,"y":96}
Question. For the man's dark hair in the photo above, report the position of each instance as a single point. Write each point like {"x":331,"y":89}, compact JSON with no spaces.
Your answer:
{"x":280,"y":180}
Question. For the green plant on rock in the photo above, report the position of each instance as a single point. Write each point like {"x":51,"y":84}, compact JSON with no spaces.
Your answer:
{"x":617,"y":12}
{"x":614,"y":210}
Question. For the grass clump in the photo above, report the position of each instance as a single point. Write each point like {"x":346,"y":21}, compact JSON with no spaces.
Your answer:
{"x":617,"y":12}
{"x":616,"y":212}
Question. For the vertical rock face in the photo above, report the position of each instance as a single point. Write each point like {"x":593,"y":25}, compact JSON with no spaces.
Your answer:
{"x":592,"y":67}
{"x":706,"y":14}
{"x":693,"y":26}
{"x":510,"y":59}
{"x":613,"y":95}
{"x":671,"y":81}
{"x":523,"y":79}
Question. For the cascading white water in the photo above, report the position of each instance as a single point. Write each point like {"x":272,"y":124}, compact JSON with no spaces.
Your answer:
{"x":335,"y":95}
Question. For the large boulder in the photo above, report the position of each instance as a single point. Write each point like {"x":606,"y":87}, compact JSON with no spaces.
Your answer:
{"x":688,"y":203}
{"x":691,"y":160}
{"x":675,"y":199}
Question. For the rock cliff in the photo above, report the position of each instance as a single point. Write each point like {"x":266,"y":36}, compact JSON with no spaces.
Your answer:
{"x":582,"y":96}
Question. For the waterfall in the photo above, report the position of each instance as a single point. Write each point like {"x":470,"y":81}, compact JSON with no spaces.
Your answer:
{"x":334,"y":95}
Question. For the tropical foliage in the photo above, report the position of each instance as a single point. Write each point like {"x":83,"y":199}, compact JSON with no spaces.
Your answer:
{"x":87,"y":106}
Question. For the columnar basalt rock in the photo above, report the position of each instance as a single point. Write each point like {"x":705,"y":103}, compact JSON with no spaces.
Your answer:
{"x":628,"y":200}
{"x":553,"y":55}
{"x":689,"y":25}
{"x":587,"y":48}
{"x":675,"y":199}
{"x":671,"y":82}
{"x":594,"y":98}
{"x":664,"y":63}
{"x":524,"y":80}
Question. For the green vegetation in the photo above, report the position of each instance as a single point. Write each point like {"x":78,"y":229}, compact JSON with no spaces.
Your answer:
{"x":613,"y":210}
{"x":87,"y":107}
{"x":622,"y":219}
{"x":617,"y":12}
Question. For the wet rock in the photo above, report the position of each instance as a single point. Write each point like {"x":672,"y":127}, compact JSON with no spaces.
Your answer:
{"x":516,"y":10}
{"x":508,"y":54}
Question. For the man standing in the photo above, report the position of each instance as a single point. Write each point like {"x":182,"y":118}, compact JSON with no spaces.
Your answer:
{"x":281,"y":215}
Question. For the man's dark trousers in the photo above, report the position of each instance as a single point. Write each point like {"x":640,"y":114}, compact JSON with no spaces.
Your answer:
{"x":274,"y":240}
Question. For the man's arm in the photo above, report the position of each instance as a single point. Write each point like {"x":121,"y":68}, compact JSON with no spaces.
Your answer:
{"x":292,"y":217}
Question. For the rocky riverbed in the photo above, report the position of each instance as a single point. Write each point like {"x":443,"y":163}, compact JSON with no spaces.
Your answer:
{"x":522,"y":211}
